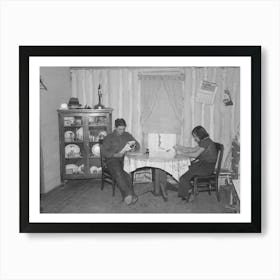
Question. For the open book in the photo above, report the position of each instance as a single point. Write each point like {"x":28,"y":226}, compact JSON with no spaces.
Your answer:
{"x":128,"y":147}
{"x":161,"y":145}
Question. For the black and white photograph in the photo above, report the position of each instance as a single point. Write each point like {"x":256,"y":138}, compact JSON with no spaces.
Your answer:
{"x":126,"y":136}
{"x":140,"y":140}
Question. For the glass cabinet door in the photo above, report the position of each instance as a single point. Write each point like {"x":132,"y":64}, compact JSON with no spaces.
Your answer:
{"x":74,"y":148}
{"x":97,"y":129}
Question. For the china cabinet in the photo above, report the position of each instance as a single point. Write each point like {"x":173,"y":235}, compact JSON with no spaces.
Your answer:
{"x":80,"y":131}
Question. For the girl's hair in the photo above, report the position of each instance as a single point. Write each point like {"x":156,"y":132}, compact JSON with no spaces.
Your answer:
{"x":120,"y":122}
{"x":200,"y":132}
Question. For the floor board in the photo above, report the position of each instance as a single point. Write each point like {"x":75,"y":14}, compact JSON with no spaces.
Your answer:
{"x":85,"y":196}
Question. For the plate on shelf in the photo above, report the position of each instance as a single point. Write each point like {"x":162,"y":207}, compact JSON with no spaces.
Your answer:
{"x":72,"y":151}
{"x":71,"y":169}
{"x":96,"y":150}
{"x":69,"y":136}
{"x":80,"y":133}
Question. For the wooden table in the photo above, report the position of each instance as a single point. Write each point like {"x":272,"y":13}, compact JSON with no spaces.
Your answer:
{"x":176,"y":167}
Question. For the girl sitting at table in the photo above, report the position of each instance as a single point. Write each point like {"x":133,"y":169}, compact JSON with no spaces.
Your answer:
{"x":204,"y":155}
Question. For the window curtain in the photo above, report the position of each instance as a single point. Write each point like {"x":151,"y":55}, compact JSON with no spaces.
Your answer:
{"x":174,"y":90}
{"x":162,"y":104}
{"x":150,"y":95}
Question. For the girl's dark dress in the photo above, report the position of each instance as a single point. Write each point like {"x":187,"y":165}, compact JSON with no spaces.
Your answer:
{"x":204,"y":165}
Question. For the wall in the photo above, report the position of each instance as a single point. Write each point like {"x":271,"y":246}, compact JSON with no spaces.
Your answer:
{"x":57,"y":81}
{"x":222,"y":122}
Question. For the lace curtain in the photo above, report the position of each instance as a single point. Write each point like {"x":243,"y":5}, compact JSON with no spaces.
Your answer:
{"x":161,"y":104}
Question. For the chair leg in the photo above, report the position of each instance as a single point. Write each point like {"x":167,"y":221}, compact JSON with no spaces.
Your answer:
{"x":195,"y":190}
{"x":209,"y":191}
{"x":132,"y":178}
{"x":102,"y":183}
{"x":218,"y":195}
{"x":217,"y":192}
{"x":114,"y":188}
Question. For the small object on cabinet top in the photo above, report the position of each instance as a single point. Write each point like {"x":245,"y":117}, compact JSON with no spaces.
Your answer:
{"x":63,"y":106}
{"x":74,"y":103}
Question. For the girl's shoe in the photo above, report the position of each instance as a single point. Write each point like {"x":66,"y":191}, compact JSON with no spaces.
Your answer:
{"x":130,"y":199}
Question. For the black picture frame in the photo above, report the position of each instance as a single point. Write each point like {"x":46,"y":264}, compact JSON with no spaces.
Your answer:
{"x":25,"y":52}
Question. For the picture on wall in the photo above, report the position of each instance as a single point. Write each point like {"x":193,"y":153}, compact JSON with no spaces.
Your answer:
{"x":140,"y":139}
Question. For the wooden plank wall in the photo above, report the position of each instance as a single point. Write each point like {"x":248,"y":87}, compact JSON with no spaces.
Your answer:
{"x":222,"y":122}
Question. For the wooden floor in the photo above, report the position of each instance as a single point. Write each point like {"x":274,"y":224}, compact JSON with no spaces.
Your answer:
{"x":85,"y":196}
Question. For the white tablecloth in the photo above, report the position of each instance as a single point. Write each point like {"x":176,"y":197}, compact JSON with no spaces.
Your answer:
{"x":176,"y":166}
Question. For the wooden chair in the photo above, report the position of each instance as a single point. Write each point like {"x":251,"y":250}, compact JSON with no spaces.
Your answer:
{"x":106,"y":177}
{"x":210,"y":183}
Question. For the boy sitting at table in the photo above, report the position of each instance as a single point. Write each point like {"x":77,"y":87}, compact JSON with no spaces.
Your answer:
{"x":113,"y":149}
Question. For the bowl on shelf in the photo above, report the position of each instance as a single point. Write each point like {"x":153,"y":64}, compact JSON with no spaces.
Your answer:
{"x":69,"y":136}
{"x":68,"y":121}
{"x":71,"y":169}
{"x":95,"y":170}
{"x":78,"y":121}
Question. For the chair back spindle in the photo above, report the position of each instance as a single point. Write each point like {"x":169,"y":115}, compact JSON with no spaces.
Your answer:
{"x":220,"y":151}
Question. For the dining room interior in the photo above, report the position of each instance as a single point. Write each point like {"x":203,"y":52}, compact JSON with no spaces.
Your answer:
{"x":161,"y":106}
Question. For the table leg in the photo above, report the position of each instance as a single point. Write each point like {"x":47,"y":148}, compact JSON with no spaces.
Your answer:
{"x":160,"y":182}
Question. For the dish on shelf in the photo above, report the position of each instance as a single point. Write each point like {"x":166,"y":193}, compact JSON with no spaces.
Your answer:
{"x":98,"y":120}
{"x":68,"y":121}
{"x":96,"y":150}
{"x":69,"y":136}
{"x":72,"y":121}
{"x":72,"y":151}
{"x":95,"y":170}
{"x":81,"y":169}
{"x":78,"y":121}
{"x":71,"y":169}
{"x":80,"y":133}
